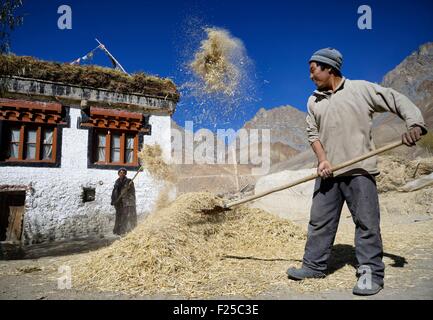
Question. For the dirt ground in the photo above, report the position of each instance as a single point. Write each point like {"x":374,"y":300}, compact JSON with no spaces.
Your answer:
{"x":408,"y":256}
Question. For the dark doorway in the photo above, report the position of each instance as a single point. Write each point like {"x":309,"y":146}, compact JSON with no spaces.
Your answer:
{"x":11,"y":215}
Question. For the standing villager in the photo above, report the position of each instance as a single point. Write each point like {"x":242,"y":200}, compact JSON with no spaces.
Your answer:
{"x":339,"y":127}
{"x":123,"y":200}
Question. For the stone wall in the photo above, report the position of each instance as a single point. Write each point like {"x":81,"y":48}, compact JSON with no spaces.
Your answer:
{"x":161,"y":134}
{"x":54,"y":208}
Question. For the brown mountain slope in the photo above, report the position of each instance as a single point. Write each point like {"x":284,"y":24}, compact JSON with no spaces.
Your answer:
{"x":287,"y":125}
{"x":414,"y":78}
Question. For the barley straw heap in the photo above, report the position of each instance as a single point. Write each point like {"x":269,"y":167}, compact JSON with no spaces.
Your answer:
{"x":152,"y":160}
{"x":216,"y":62}
{"x":180,"y":251}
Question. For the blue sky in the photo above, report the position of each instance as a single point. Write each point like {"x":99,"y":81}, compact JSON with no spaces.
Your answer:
{"x":279,"y":37}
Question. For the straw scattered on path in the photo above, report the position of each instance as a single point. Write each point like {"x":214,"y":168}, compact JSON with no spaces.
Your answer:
{"x":179,"y":250}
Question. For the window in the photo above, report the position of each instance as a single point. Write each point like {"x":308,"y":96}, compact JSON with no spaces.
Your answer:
{"x":114,"y":136}
{"x":14,"y":145}
{"x":30,"y":143}
{"x":30,"y":132}
{"x":101,"y":145}
{"x":129,"y":149}
{"x":116,"y":147}
{"x":47,"y":143}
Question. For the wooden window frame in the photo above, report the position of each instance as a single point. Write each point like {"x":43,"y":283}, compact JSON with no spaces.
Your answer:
{"x":39,"y":143}
{"x":37,"y":114}
{"x":52,"y":144}
{"x":110,"y":121}
{"x":134,"y":147}
{"x":108,"y":147}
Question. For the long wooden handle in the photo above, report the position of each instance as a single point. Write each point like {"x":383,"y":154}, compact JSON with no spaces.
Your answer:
{"x":136,"y":174}
{"x":314,"y":176}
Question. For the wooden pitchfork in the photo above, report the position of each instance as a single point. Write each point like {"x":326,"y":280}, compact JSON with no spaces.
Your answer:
{"x":370,"y":154}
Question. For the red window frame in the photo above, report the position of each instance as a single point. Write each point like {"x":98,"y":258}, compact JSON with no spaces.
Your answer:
{"x":25,"y":115}
{"x":109,"y":146}
{"x":24,"y":128}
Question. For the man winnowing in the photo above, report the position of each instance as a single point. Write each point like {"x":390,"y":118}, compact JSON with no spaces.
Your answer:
{"x":339,"y":127}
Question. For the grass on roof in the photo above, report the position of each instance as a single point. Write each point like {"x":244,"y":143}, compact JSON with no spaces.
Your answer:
{"x":88,"y":76}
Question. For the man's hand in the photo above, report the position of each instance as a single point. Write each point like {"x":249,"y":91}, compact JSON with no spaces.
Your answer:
{"x":324,"y":169}
{"x":412,"y":136}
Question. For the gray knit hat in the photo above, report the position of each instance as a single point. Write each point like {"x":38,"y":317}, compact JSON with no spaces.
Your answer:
{"x":329,"y":56}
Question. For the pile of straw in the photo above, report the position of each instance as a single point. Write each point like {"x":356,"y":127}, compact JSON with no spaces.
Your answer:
{"x":397,"y":171}
{"x":216,"y":62}
{"x":152,"y":160}
{"x":181,"y":251}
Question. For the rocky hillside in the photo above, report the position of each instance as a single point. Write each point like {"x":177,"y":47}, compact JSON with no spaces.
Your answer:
{"x":414,"y":78}
{"x":287,"y":125}
{"x":287,"y":131}
{"x":179,"y":146}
